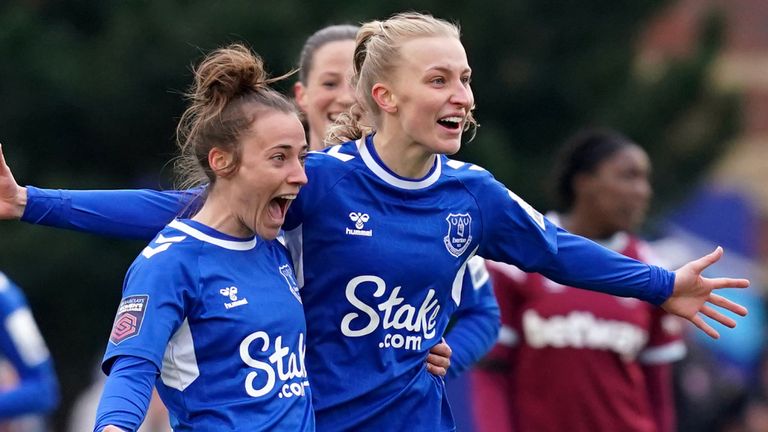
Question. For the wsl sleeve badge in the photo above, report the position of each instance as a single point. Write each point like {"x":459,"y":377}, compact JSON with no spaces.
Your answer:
{"x":130,"y":315}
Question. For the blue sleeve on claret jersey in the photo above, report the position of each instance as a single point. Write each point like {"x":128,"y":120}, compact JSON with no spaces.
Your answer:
{"x":121,"y":213}
{"x":126,"y":395}
{"x":515,"y":233}
{"x":21,"y":344}
{"x":475,"y":324}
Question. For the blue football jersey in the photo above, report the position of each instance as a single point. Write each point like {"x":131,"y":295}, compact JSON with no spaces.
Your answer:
{"x":222,"y":320}
{"x":381,"y":260}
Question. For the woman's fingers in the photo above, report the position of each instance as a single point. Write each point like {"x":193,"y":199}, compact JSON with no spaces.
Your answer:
{"x":718,"y":316}
{"x":707,"y":260}
{"x":724,"y":303}
{"x":717,"y":283}
{"x":699,"y":322}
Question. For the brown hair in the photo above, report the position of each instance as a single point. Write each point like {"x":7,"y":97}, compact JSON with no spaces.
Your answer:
{"x":229,"y":88}
{"x":320,"y":38}
{"x":377,"y":53}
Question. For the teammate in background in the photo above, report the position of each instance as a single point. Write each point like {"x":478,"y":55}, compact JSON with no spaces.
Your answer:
{"x":213,"y":298}
{"x":406,"y":220}
{"x":324,"y":92}
{"x":31,"y":388}
{"x":599,"y":362}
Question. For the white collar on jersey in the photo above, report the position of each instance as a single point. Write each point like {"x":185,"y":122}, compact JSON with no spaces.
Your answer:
{"x":226,"y":244}
{"x":617,"y":242}
{"x":385,"y":175}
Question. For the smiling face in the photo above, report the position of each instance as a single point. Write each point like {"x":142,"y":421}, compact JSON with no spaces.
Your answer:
{"x":617,"y":193}
{"x":431,"y":97}
{"x":270,"y":173}
{"x":327,"y":92}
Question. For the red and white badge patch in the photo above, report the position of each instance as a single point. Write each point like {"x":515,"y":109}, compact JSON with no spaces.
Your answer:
{"x":130,"y":315}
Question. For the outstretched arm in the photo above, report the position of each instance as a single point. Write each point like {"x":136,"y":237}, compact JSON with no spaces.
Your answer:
{"x":120,"y":213}
{"x":693,"y":294}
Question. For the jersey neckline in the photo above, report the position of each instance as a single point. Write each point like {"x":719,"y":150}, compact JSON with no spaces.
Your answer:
{"x":374,"y":163}
{"x":207,"y":234}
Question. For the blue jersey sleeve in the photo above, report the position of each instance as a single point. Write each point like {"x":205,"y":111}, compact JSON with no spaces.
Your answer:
{"x":475,"y":324}
{"x":515,"y":233}
{"x":126,"y":395}
{"x":37,"y":391}
{"x":157,"y":293}
{"x":121,"y":213}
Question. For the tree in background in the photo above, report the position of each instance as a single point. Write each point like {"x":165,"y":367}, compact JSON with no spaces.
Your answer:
{"x":90,"y":95}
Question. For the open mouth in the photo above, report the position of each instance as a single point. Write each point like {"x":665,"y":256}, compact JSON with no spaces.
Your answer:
{"x":452,"y":122}
{"x":278,"y":206}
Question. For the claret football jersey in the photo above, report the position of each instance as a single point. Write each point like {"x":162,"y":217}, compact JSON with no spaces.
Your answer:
{"x":579,"y":353}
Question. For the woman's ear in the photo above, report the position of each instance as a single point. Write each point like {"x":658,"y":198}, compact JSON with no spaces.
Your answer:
{"x":384,"y":98}
{"x":220,"y":161}
{"x":300,"y":95}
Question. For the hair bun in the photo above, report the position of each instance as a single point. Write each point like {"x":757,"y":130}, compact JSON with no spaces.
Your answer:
{"x":229,"y":72}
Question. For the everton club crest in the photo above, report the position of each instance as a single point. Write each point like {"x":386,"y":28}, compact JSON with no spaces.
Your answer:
{"x":459,"y":233}
{"x":290,"y":279}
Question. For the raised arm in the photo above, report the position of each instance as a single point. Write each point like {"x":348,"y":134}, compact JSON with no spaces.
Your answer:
{"x":120,"y":213}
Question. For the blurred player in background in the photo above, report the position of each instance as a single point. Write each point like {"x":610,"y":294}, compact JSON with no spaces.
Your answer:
{"x":576,"y":360}
{"x":29,"y":389}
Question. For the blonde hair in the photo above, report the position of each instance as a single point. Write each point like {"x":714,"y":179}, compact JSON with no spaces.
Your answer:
{"x":377,"y":53}
{"x":230,"y":85}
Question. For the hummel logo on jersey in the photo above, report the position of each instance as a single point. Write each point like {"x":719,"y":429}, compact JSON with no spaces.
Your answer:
{"x":231,"y":292}
{"x":163,"y":242}
{"x":360,"y":219}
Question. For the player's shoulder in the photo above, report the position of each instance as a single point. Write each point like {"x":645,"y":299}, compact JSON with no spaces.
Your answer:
{"x":337,"y":156}
{"x":5,"y":283}
{"x":464,"y":171}
{"x":171,"y":248}
{"x":10,"y":294}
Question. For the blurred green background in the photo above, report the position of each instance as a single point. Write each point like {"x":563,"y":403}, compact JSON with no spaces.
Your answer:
{"x":90,"y":92}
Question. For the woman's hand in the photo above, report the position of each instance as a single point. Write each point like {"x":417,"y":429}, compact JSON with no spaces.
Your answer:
{"x":693,"y":292}
{"x":439,"y":359}
{"x":13,"y":198}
